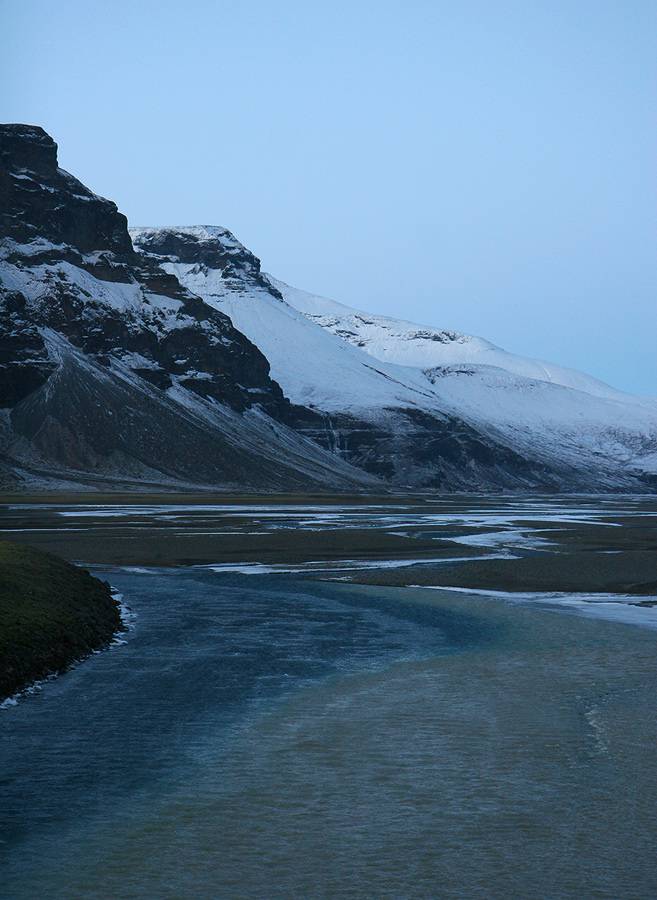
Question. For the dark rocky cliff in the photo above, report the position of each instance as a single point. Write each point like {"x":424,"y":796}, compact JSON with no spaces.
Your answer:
{"x":50,"y":218}
{"x":108,"y":366}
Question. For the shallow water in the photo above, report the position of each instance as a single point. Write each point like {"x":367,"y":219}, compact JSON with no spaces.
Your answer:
{"x":272,"y":736}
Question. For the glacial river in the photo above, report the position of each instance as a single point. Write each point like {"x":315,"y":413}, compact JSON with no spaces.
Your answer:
{"x":272,"y":736}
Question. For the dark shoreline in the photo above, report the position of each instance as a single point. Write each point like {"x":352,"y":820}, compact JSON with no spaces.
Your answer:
{"x":52,"y":615}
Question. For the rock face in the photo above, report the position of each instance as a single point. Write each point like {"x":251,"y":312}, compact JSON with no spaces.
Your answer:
{"x":56,"y":233}
{"x":113,"y":372}
{"x":209,"y":247}
{"x":43,"y":202}
{"x":171,"y":359}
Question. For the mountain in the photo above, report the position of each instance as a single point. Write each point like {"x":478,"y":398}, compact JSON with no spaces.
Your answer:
{"x":166,"y":358}
{"x":112,"y":373}
{"x":417,"y":405}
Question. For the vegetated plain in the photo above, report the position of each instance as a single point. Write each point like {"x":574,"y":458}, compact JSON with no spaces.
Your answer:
{"x":51,"y":614}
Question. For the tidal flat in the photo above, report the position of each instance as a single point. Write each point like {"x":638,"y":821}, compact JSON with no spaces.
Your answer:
{"x":274,"y":727}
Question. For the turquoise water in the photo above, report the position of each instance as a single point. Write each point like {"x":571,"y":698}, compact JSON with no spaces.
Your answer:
{"x":265,"y":736}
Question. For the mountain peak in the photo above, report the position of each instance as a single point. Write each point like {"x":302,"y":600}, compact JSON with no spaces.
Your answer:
{"x":211,"y":246}
{"x":191,"y":243}
{"x":41,"y":202}
{"x":27,"y":147}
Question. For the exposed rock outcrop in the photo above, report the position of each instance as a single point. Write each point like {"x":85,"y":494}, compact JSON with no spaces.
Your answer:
{"x":110,"y":368}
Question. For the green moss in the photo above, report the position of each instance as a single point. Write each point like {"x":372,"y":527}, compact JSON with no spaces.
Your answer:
{"x":51,"y":614}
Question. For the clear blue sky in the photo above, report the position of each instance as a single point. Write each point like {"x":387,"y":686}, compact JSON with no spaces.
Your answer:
{"x":483,"y":166}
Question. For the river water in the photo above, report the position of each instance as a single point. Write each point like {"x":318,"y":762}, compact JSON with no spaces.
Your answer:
{"x":272,"y":736}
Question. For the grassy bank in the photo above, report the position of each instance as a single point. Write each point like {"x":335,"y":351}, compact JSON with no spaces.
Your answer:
{"x":51,"y":614}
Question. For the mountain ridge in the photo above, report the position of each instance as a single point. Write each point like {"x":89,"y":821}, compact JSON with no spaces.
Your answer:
{"x":167,"y":357}
{"x":572,"y":430}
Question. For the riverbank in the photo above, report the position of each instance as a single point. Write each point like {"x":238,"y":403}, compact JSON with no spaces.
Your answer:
{"x":622,"y":571}
{"x":52,"y":614}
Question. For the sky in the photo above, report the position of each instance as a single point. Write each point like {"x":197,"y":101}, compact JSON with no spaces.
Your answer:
{"x":487,"y":167}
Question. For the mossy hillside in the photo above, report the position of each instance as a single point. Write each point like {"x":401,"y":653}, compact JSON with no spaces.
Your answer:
{"x":51,"y":614}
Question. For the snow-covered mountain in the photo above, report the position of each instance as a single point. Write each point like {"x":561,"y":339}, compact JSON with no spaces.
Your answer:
{"x":112,"y":373}
{"x":571,"y":414}
{"x":568,"y":428}
{"x":170,"y":359}
{"x":424,"y":347}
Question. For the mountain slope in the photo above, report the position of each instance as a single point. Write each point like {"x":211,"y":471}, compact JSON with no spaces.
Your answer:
{"x":548,"y":410}
{"x":111,"y":371}
{"x":456,"y":410}
{"x":424,"y":347}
